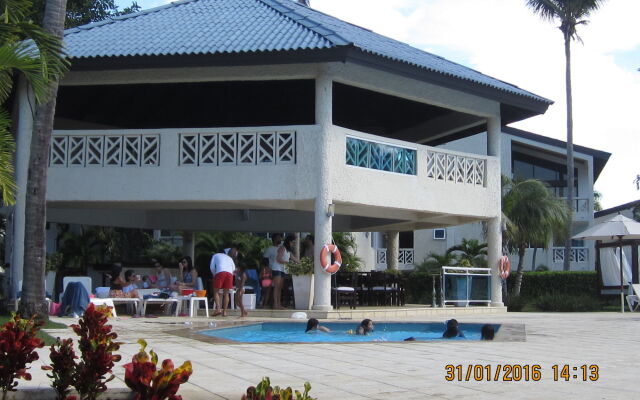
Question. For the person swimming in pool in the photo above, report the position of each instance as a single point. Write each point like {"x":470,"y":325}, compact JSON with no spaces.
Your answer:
{"x":365,"y":327}
{"x":487,"y":332}
{"x":452,"y":330}
{"x":314,"y":326}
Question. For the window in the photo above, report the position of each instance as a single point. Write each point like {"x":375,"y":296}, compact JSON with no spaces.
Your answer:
{"x":439,"y":234}
{"x":526,"y":167}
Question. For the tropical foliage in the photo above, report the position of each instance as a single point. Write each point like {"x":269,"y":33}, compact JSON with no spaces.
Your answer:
{"x":570,"y":14}
{"x":346,"y":243}
{"x":147,"y":382}
{"x":18,"y":344}
{"x":97,"y":345}
{"x":264,"y":391}
{"x":533,"y":215}
{"x":37,"y":60}
{"x":80,"y":12}
{"x":302,"y":267}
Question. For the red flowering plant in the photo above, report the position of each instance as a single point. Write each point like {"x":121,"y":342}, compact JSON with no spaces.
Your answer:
{"x":63,"y":368}
{"x":148,"y":383}
{"x":18,"y":343}
{"x":97,"y":346}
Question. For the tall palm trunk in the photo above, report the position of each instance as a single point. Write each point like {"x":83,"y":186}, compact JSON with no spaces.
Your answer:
{"x":33,"y":302}
{"x":520,"y":271}
{"x":570,"y":185}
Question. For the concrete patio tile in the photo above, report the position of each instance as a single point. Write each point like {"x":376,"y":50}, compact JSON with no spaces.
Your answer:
{"x":404,"y":370}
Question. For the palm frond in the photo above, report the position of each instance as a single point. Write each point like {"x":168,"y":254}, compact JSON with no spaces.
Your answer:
{"x":7,"y":149}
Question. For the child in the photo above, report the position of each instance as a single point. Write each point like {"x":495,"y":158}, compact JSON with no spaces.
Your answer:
{"x":365,"y":327}
{"x":313,"y":326}
{"x":452,"y":330}
{"x":241,"y":279}
{"x":266,"y":282}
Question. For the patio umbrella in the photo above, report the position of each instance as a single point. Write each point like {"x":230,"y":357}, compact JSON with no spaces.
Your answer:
{"x":618,"y":227}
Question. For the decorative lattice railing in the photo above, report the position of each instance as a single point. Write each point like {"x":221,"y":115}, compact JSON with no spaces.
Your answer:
{"x":577,"y":254}
{"x":456,"y":168}
{"x":405,"y":256}
{"x":380,"y":156}
{"x":254,"y":148}
{"x":105,"y":150}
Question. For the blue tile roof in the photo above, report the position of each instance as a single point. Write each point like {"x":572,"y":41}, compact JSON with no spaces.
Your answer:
{"x":201,"y":27}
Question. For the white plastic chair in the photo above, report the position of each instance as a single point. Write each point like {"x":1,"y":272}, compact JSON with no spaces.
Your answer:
{"x":633,"y":300}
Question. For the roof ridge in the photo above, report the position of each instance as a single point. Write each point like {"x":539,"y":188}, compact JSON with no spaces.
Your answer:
{"x":307,"y":22}
{"x":111,"y":20}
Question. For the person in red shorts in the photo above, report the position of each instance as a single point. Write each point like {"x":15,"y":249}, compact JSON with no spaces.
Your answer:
{"x":222,"y":267}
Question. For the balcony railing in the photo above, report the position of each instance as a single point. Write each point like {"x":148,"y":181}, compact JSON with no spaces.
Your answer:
{"x":254,"y":148}
{"x":380,"y":156}
{"x":194,"y":149}
{"x":577,"y":254}
{"x":581,"y":208}
{"x":455,"y":168}
{"x":405,"y":256}
{"x":141,"y":150}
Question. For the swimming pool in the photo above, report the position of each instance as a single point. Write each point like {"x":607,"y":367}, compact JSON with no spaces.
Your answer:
{"x":293,"y":332}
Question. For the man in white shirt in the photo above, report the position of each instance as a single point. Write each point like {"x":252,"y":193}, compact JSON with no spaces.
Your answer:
{"x":222,"y":267}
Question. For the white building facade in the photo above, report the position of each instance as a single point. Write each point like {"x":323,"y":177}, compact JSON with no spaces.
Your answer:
{"x":526,"y":155}
{"x":275,"y":118}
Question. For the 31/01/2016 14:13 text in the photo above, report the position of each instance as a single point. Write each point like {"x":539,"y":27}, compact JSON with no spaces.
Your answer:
{"x":520,"y":372}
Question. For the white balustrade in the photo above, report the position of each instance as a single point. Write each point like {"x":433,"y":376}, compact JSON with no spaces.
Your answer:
{"x":455,"y":168}
{"x":105,"y":150}
{"x":245,"y":148}
{"x":577,"y":254}
{"x":405,"y":256}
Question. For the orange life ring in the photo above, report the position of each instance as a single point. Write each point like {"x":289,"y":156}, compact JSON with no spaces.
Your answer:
{"x":337,"y":258}
{"x":505,"y":267}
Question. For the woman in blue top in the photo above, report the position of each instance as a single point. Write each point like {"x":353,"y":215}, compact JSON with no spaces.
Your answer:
{"x":188,"y":274}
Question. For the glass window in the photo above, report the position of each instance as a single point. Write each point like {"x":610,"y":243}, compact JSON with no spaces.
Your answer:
{"x":439,"y":234}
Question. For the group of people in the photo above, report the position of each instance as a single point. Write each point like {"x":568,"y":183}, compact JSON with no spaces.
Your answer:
{"x":229,"y":271}
{"x":127,"y":285}
{"x":365,"y":327}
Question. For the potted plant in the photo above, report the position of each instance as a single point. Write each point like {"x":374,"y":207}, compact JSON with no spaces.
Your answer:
{"x":302,"y":276}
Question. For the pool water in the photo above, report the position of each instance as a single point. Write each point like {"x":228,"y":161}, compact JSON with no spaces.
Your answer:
{"x":293,"y":332}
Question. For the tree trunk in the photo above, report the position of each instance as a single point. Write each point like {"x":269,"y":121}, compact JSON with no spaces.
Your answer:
{"x":570,"y":185}
{"x":519,"y":274}
{"x":32,"y":300}
{"x":533,"y":260}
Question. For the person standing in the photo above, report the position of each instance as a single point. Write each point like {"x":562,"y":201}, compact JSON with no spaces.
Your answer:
{"x":270,"y":255}
{"x":283,"y":256}
{"x":308,"y":246}
{"x":222,"y":267}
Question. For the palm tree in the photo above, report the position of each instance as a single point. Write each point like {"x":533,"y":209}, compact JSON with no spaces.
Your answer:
{"x":533,"y":214}
{"x":434,"y":262}
{"x":35,"y":206}
{"x":471,"y":250}
{"x":570,"y":13}
{"x":18,"y":56}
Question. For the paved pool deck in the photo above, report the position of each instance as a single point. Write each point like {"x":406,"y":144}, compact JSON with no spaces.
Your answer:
{"x":407,"y":370}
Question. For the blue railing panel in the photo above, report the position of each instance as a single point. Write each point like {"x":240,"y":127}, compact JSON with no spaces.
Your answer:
{"x":380,"y":156}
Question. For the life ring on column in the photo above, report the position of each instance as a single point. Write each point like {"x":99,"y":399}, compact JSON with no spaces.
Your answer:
{"x":337,"y":258}
{"x":505,"y":267}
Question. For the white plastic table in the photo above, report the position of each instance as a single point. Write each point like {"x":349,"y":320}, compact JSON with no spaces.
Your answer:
{"x":170,"y":300}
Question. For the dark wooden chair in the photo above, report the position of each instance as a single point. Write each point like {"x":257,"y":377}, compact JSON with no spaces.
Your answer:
{"x":381,"y":289}
{"x":344,"y":289}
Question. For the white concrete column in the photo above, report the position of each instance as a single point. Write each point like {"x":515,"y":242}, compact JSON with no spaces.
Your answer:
{"x":493,"y":136}
{"x":323,"y":219}
{"x":188,"y":244}
{"x":393,"y":246}
{"x":494,"y":225}
{"x":494,"y":251}
{"x":24,"y":128}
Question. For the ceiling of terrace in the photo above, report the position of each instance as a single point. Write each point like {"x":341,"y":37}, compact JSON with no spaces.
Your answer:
{"x":255,"y":104}
{"x":241,"y":216}
{"x":402,"y":119}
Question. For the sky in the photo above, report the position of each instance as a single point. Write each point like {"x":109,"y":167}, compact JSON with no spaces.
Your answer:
{"x":504,"y":39}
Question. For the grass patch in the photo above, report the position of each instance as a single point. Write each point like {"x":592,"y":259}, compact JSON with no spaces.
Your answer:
{"x":46,"y":338}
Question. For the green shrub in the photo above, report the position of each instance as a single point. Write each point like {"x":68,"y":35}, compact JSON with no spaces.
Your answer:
{"x":516,"y":303}
{"x":418,"y":285}
{"x":535,"y":284}
{"x":567,"y":302}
